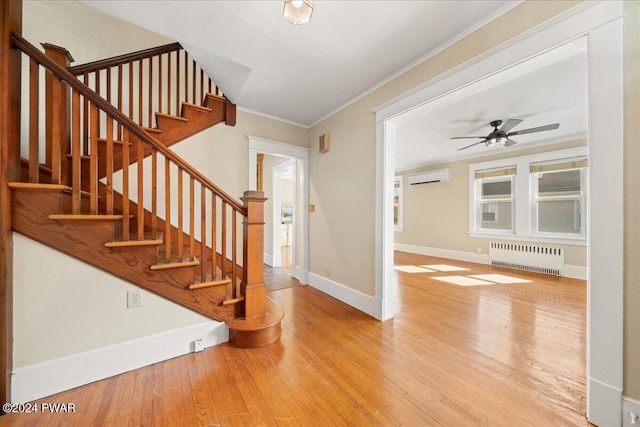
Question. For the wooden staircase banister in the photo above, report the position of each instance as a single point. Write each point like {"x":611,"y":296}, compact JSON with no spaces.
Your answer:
{"x":184,"y":247}
{"x":129,"y":124}
{"x":123,"y":59}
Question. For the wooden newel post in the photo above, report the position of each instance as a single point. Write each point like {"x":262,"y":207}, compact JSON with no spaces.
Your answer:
{"x":253,"y":288}
{"x":58,"y":123}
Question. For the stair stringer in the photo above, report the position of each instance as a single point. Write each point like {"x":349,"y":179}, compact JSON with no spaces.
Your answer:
{"x":85,"y":240}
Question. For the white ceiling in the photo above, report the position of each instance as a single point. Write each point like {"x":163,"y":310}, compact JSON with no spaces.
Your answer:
{"x":550,"y":88}
{"x":302,"y":74}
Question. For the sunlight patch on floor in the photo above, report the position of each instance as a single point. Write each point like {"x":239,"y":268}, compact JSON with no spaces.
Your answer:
{"x":412,"y":269}
{"x":463,"y":280}
{"x":500,"y":278}
{"x":444,"y":267}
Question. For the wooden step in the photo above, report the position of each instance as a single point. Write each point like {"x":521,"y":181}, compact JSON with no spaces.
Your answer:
{"x":36,"y":186}
{"x":150,"y":239}
{"x":152,"y":131}
{"x":259,"y":331}
{"x":85,"y":217}
{"x":233,"y":300}
{"x":168,"y":121}
{"x":201,"y":108}
{"x":175,"y":264}
{"x":209,"y":284}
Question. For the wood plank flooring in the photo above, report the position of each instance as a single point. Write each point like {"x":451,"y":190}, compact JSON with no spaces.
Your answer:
{"x":495,"y":355}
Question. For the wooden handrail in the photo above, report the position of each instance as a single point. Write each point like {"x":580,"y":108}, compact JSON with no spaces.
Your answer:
{"x":129,"y":124}
{"x":123,"y":59}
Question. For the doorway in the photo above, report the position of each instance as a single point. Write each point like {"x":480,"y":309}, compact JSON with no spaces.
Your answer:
{"x":284,"y":169}
{"x":602,"y":24}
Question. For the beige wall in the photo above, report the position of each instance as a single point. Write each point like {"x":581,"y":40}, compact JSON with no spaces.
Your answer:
{"x":437,"y":216}
{"x":632,"y":201}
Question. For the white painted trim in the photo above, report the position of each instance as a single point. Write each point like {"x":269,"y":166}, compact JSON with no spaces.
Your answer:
{"x":608,"y":410}
{"x":629,"y":406}
{"x":443,"y":253}
{"x":262,"y":145}
{"x":268,"y":259}
{"x":298,"y":272}
{"x":270,"y":117}
{"x":575,"y":272}
{"x":363,"y":302}
{"x":601,"y":23}
{"x":571,"y":271}
{"x":54,"y":376}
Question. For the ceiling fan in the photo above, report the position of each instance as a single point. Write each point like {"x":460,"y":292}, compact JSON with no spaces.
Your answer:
{"x":502,"y":135}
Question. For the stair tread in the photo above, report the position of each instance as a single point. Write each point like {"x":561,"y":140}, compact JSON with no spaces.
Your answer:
{"x":208,"y":284}
{"x":213,"y":95}
{"x":197,"y":107}
{"x":175,"y":264}
{"x":170,"y":116}
{"x":233,"y":300}
{"x":152,"y":130}
{"x":86,"y":217}
{"x":37,"y":186}
{"x":150,"y":239}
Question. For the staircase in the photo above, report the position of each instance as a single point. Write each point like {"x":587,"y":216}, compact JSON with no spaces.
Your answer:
{"x":111,"y":193}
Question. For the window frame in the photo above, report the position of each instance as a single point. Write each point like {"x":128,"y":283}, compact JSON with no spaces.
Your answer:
{"x":480,"y":201}
{"x":581,"y":198}
{"x":523,"y":198}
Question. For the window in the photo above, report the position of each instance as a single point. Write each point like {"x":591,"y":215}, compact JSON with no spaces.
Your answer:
{"x":559,"y":198}
{"x":397,"y":203}
{"x":495,"y":206}
{"x":539,"y":197}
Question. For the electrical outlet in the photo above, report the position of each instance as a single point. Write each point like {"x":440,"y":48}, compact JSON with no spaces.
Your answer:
{"x":326,"y":271}
{"x":134,"y":299}
{"x":198,"y":345}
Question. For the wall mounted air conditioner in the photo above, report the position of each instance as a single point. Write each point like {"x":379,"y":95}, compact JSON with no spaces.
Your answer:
{"x":440,"y":175}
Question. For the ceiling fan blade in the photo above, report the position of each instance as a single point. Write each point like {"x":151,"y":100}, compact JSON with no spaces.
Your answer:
{"x":510,"y":142}
{"x":468,"y":146}
{"x":537,"y":129}
{"x":466,"y":137}
{"x":510,"y":124}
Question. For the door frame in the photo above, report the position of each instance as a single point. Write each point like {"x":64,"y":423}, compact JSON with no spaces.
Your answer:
{"x":601,"y":24}
{"x":300,"y":270}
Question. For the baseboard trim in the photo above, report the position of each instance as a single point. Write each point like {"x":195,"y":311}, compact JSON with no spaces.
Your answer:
{"x":629,"y":406}
{"x":604,"y":405}
{"x":443,"y":253}
{"x":356,"y":299}
{"x":575,"y":272}
{"x":268,"y":259}
{"x":54,"y":376}
{"x":571,"y":271}
{"x":299,"y":273}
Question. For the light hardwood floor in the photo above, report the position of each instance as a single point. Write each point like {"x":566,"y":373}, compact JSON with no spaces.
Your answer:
{"x":495,"y":355}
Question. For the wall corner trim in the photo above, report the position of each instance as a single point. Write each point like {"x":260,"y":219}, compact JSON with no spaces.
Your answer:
{"x":365,"y":303}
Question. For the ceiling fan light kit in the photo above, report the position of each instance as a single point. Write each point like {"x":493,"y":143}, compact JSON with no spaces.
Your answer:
{"x":502,"y":136}
{"x":298,"y":11}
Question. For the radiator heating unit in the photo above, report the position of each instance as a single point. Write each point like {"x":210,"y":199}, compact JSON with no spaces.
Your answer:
{"x":539,"y":259}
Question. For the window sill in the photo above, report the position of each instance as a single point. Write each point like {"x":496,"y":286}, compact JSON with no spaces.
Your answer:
{"x":541,"y":239}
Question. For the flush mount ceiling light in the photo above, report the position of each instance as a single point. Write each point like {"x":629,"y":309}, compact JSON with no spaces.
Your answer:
{"x":298,"y":11}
